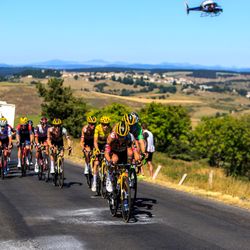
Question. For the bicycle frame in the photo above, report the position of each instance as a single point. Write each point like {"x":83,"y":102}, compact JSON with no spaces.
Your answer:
{"x":24,"y":153}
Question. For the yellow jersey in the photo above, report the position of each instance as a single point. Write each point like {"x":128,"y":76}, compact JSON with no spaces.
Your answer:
{"x":101,"y":134}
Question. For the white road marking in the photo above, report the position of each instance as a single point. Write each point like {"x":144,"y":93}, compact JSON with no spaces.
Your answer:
{"x":90,"y":216}
{"x":55,"y":242}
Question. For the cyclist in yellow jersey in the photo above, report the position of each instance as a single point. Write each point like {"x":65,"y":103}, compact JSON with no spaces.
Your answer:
{"x":101,"y":134}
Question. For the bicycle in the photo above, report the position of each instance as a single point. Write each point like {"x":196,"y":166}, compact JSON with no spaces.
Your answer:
{"x":58,"y":179}
{"x":24,"y":153}
{"x":133,"y":181}
{"x":100,"y":182}
{"x":89,"y":176}
{"x":43,"y":164}
{"x":121,"y":194}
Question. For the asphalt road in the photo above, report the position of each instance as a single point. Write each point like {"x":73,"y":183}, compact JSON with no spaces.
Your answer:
{"x":37,"y":215}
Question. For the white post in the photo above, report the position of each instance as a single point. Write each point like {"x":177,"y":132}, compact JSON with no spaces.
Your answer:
{"x":210,"y":178}
{"x":156,"y":172}
{"x":182,"y":179}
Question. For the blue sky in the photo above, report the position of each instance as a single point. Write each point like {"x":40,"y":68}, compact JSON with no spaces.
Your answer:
{"x":144,"y":31}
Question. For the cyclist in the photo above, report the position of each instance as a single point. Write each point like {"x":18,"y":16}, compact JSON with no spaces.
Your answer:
{"x":101,"y":134}
{"x":55,"y":140}
{"x":24,"y":135}
{"x":119,"y":147}
{"x":136,"y":130}
{"x":87,"y":140}
{"x":13,"y":132}
{"x":5,"y":140}
{"x":41,"y":132}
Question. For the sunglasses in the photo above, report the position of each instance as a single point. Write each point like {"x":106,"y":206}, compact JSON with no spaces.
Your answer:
{"x":105,"y":124}
{"x":91,"y":124}
{"x":57,"y":126}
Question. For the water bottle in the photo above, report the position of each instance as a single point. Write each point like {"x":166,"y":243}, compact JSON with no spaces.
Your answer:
{"x":125,"y":203}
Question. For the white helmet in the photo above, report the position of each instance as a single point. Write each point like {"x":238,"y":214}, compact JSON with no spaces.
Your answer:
{"x":3,"y":122}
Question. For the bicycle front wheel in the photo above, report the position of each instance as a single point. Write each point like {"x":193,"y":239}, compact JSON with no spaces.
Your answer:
{"x":126,"y":199}
{"x":2,"y":166}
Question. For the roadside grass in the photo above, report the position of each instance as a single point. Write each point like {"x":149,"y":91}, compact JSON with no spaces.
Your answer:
{"x":198,"y":178}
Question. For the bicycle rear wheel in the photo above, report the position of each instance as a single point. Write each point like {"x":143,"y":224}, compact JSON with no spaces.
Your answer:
{"x":126,"y":199}
{"x":60,"y":172}
{"x":23,"y":167}
{"x":133,"y":184}
{"x":40,"y":169}
{"x":113,"y":200}
{"x":47,"y":168}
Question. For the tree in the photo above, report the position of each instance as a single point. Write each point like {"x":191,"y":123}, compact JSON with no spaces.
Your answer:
{"x":60,"y":102}
{"x":170,"y":125}
{"x":225,"y":141}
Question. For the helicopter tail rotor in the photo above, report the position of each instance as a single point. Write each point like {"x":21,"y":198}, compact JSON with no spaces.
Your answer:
{"x":187,"y":7}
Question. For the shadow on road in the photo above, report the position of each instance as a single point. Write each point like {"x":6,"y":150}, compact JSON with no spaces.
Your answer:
{"x":69,"y":184}
{"x":142,"y":209}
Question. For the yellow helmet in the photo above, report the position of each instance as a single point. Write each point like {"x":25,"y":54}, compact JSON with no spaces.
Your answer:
{"x":57,"y":121}
{"x":105,"y":119}
{"x":129,"y":119}
{"x":23,"y":120}
{"x":122,"y":128}
{"x":91,"y":119}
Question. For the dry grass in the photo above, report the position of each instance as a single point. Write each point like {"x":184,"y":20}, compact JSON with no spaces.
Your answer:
{"x":24,"y":96}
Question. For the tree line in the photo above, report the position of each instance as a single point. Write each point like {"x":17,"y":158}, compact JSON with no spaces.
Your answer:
{"x":223,"y":141}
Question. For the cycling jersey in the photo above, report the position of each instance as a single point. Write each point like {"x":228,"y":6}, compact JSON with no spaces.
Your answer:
{"x":88,"y":135}
{"x":101,"y":134}
{"x":24,"y":132}
{"x":57,"y":137}
{"x":119,"y":144}
{"x":5,"y":133}
{"x":136,"y":131}
{"x":41,"y":133}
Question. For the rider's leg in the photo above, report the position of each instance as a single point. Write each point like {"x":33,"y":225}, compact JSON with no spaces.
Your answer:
{"x":19,"y":157}
{"x":96,"y":163}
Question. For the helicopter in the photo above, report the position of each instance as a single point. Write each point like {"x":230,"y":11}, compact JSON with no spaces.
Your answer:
{"x":207,"y":8}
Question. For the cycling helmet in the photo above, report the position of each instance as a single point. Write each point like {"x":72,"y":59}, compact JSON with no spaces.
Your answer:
{"x":136,"y":116}
{"x":3,"y":122}
{"x":30,"y":122}
{"x":57,"y":121}
{"x":91,"y":119}
{"x":23,"y":120}
{"x":43,"y":120}
{"x":105,"y":119}
{"x":129,"y":119}
{"x":122,"y":128}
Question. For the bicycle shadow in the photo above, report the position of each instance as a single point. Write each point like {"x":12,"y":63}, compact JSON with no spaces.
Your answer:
{"x":72,"y":183}
{"x":142,"y":209}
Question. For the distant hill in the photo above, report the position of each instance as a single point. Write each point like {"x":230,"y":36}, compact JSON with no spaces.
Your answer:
{"x":115,"y":66}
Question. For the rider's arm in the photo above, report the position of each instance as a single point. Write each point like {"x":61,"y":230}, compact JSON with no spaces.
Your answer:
{"x":96,"y":134}
{"x":31,"y":133}
{"x":82,"y":138}
{"x":10,"y":137}
{"x":65,"y":133}
{"x":49,"y":137}
{"x":108,"y":149}
{"x":18,"y":134}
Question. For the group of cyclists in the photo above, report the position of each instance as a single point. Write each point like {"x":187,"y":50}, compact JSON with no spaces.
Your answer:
{"x":121,"y":143}
{"x":50,"y":137}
